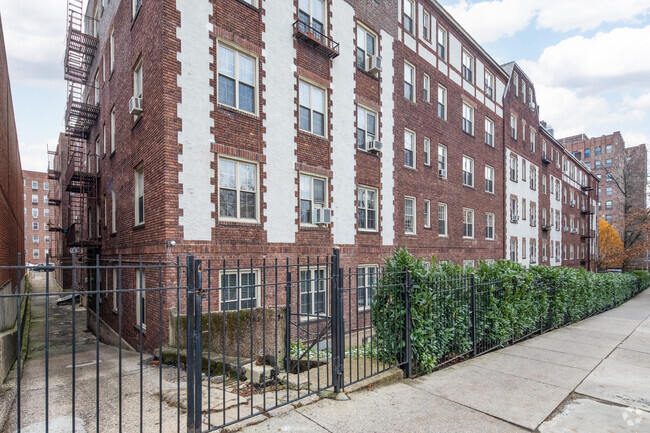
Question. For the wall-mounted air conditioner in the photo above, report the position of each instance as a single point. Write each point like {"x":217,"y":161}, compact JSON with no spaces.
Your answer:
{"x":322,"y":216}
{"x":373,"y":66}
{"x":374,"y":146}
{"x":135,"y":106}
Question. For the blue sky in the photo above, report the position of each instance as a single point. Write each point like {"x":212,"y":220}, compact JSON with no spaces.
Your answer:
{"x":589,"y":60}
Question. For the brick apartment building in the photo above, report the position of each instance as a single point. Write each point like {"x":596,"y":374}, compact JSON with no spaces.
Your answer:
{"x":38,"y":214}
{"x":11,"y":214}
{"x":250,"y":128}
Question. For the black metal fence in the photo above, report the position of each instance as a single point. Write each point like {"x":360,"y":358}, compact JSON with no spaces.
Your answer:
{"x":197,"y":345}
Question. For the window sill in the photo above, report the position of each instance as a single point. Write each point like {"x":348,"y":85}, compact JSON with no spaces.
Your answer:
{"x":367,"y":152}
{"x":142,"y":328}
{"x":314,"y":228}
{"x":376,"y":78}
{"x":251,"y":7}
{"x":137,"y":120}
{"x":468,"y":133}
{"x":138,"y":227}
{"x":368,"y":232}
{"x":237,"y":111}
{"x":114,"y":234}
{"x":236,"y":223}
{"x":312,"y":135}
{"x":112,"y":155}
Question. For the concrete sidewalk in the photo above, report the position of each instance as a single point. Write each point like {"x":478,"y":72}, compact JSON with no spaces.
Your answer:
{"x":588,"y":377}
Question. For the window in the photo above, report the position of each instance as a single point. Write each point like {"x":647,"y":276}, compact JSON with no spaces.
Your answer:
{"x":34,"y":213}
{"x":139,"y":195}
{"x":408,"y":15}
{"x":409,"y":215}
{"x":34,"y":184}
{"x":514,"y":209}
{"x":571,"y":252}
{"x":46,"y":186}
{"x":427,"y":152}
{"x":36,"y":254}
{"x":312,"y":109}
{"x":597,"y":150}
{"x":489,"y":179}
{"x":427,"y":214}
{"x":367,"y":208}
{"x":598,"y":164}
{"x":608,"y":163}
{"x":523,"y":91}
{"x":366,"y":127}
{"x":313,"y":195}
{"x":426,"y":25}
{"x":468,"y":119}
{"x":587,"y":153}
{"x":523,"y":131}
{"x":96,"y":87}
{"x":523,"y":208}
{"x":113,"y":130}
{"x":137,"y":79}
{"x":533,"y":214}
{"x":533,"y":251}
{"x":409,"y":149}
{"x":468,"y":263}
{"x":442,"y":103}
{"x":141,"y":299}
{"x":313,"y":291}
{"x":425,"y":88}
{"x":489,"y":132}
{"x":513,"y":249}
{"x":113,"y":213}
{"x":35,"y":198}
{"x":608,"y":190}
{"x":523,"y":248}
{"x":236,"y":79}
{"x":366,"y":285}
{"x":442,"y":219}
{"x":523,"y":169}
{"x":608,"y":148}
{"x":136,"y":7}
{"x":513,"y":168}
{"x":115,"y":292}
{"x":35,"y":225}
{"x":112,"y":50}
{"x":468,"y":171}
{"x":237,"y":190}
{"x":513,"y":127}
{"x":489,"y":85}
{"x":544,"y":184}
{"x":468,"y":66}
{"x":468,"y":223}
{"x":533,"y":178}
{"x":515,"y":81}
{"x":532,"y":140}
{"x":442,"y":161}
{"x":312,"y":13}
{"x":609,"y":177}
{"x":239,"y":290}
{"x":608,"y":205}
{"x":35,"y":239}
{"x":442,"y":44}
{"x":409,"y":82}
{"x":366,"y":47}
{"x":489,"y":226}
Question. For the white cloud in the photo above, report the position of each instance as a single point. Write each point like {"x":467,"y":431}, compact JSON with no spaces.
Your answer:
{"x":565,"y":15}
{"x":635,"y":138}
{"x":33,"y":156}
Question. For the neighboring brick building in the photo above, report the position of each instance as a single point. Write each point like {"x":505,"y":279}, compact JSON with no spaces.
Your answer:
{"x":233,"y":127}
{"x":11,"y":209}
{"x":37,"y":211}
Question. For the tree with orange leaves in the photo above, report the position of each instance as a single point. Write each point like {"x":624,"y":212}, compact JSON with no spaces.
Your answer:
{"x":612,"y":253}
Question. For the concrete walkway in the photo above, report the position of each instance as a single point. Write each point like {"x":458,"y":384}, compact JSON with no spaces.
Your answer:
{"x":593,"y":376}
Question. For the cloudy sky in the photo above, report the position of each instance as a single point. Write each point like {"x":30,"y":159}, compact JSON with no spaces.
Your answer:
{"x":589,"y":60}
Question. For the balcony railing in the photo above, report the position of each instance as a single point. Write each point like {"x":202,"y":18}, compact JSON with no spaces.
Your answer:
{"x":321,"y":42}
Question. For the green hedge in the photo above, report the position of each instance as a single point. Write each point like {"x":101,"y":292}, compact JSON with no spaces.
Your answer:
{"x":512,"y":302}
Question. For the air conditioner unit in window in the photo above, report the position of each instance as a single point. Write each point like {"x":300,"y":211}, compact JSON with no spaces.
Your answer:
{"x":533,"y":222}
{"x":374,"y":146}
{"x":373,"y":66}
{"x":135,"y":105}
{"x":514,"y":218}
{"x":566,"y":229}
{"x":442,"y":173}
{"x":322,"y":216}
{"x":531,"y":105}
{"x":545,"y":259}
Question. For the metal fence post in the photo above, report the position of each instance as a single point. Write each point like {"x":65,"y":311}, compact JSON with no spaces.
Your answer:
{"x":198,"y":345}
{"x":337,"y":325}
{"x":473,"y":313}
{"x":191,"y":350}
{"x":287,"y":319}
{"x":408,"y":285}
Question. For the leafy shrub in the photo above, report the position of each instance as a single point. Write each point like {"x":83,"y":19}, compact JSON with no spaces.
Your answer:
{"x":512,"y":302}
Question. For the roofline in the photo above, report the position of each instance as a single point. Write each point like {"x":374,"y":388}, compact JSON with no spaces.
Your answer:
{"x":448,"y":16}
{"x":569,"y":154}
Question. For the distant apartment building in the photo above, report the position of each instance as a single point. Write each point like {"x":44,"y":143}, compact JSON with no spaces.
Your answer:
{"x":241,"y":129}
{"x":38,"y":215}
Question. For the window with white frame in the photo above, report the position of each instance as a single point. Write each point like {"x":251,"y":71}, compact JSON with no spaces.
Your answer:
{"x":468,"y":223}
{"x":489,"y":85}
{"x":113,"y":213}
{"x":113,"y":129}
{"x":514,"y":166}
{"x":523,"y":131}
{"x":523,"y":91}
{"x":47,"y":239}
{"x":35,"y":225}
{"x":366,"y":285}
{"x":533,"y":178}
{"x":427,"y":214}
{"x":36,"y":254}
{"x":571,"y":252}
{"x":409,"y":148}
{"x":544,"y":184}
{"x":115,"y":293}
{"x":409,"y":82}
{"x":523,"y":248}
{"x":468,"y":119}
{"x":141,"y":299}
{"x":442,"y":44}
{"x":513,"y":127}
{"x":137,"y":79}
{"x":237,"y":190}
{"x":489,"y":179}
{"x":367,"y":208}
{"x":312,"y":14}
{"x":312,"y":108}
{"x":139,"y":195}
{"x":239,"y":290}
{"x":409,"y":215}
{"x":468,"y":171}
{"x":442,"y":161}
{"x":489,"y":226}
{"x":514,"y":209}
{"x":35,"y":198}
{"x":426,"y":25}
{"x":468,"y":66}
{"x":366,"y":127}
{"x":236,"y":79}
{"x":34,"y":213}
{"x":34,"y":184}
{"x":313,"y":195}
{"x":513,"y":249}
{"x":46,"y":186}
{"x":442,"y":219}
{"x":442,"y":102}
{"x":489,"y":132}
{"x":313,"y":291}
{"x":409,"y":14}
{"x":523,"y":209}
{"x":425,"y":88}
{"x":523,"y":169}
{"x":136,"y":5}
{"x":366,"y":47}
{"x":112,"y":50}
{"x":533,"y":214}
{"x":532,"y":140}
{"x":427,"y":151}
